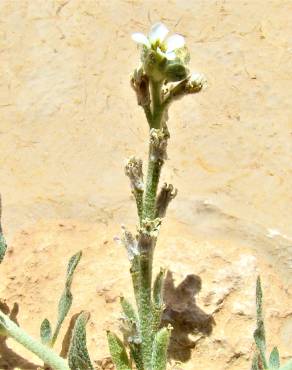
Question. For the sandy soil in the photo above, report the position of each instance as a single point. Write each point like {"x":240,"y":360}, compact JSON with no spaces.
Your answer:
{"x":69,"y":119}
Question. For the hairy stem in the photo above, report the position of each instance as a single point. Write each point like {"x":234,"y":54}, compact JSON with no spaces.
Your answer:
{"x":157,"y":108}
{"x":145,"y":312}
{"x":46,"y":354}
{"x":149,"y":213}
{"x":153,"y":175}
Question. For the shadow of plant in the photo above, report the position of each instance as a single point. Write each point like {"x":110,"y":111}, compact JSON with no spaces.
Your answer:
{"x":182,"y":312}
{"x":9,"y":360}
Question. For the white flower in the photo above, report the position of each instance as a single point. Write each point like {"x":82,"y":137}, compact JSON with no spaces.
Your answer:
{"x":157,"y":40}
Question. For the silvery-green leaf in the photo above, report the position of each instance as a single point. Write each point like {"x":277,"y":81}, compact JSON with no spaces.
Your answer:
{"x":136,"y":355}
{"x":3,"y":246}
{"x":129,"y":311}
{"x":159,"y":352}
{"x":78,"y":357}
{"x":46,"y":332}
{"x":259,"y":334}
{"x":255,"y":365}
{"x":118,"y":352}
{"x":158,"y":289}
{"x":259,"y":307}
{"x":274,"y":361}
{"x":66,"y":297}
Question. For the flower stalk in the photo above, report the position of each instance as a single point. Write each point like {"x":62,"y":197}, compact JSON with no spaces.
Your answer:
{"x":162,"y":77}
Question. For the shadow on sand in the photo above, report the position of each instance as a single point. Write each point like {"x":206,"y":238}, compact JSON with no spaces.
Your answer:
{"x":182,"y":312}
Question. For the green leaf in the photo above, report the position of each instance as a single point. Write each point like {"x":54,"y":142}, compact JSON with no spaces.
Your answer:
{"x":66,"y":299}
{"x":259,"y":334}
{"x":259,"y":307}
{"x":78,"y":357}
{"x":136,"y":355}
{"x":118,"y":352}
{"x":46,"y":332}
{"x":160,"y":346}
{"x":129,"y":311}
{"x":3,"y":246}
{"x":274,"y":361}
{"x":255,"y":364}
{"x":158,"y":289}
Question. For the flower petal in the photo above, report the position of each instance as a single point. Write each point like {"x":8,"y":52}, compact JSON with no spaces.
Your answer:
{"x":174,"y":42}
{"x":158,"y":32}
{"x":140,"y":38}
{"x":170,"y":55}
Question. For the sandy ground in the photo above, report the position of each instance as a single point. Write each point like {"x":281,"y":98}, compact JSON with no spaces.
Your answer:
{"x":69,"y":119}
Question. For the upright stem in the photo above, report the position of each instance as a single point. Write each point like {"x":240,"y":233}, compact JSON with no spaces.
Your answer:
{"x":148,"y":214}
{"x":43,"y":352}
{"x":153,"y":175}
{"x":157,"y":108}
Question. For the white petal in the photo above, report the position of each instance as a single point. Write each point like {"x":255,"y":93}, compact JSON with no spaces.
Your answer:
{"x":140,"y":38}
{"x":170,"y":55}
{"x":158,"y":32}
{"x":175,"y":42}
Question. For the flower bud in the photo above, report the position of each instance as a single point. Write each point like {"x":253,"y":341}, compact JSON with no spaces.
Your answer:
{"x":175,"y":72}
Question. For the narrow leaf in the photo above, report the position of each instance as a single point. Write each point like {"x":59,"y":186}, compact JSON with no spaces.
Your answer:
{"x":158,"y":289}
{"x":259,"y":334}
{"x":3,"y":245}
{"x":255,"y":365}
{"x":66,"y":299}
{"x":136,"y":355}
{"x":118,"y":352}
{"x":78,"y":357}
{"x":128,"y":311}
{"x":274,"y":361}
{"x":46,"y":332}
{"x":159,"y":352}
{"x":259,"y":307}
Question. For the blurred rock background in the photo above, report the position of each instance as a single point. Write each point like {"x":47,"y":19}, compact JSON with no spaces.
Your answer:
{"x":69,"y":119}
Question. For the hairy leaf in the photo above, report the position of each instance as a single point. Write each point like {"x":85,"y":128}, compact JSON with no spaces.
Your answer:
{"x":46,"y":332}
{"x":255,"y":365}
{"x":3,"y":246}
{"x":159,"y":352}
{"x":259,"y":307}
{"x":66,"y":299}
{"x":129,"y":311}
{"x":118,"y":352}
{"x":158,"y":289}
{"x":136,"y":355}
{"x":274,"y":361}
{"x":78,"y":357}
{"x":259,"y":334}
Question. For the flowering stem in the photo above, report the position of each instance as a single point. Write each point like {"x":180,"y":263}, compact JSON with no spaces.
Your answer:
{"x":155,"y":163}
{"x":153,"y":175}
{"x":43,"y":352}
{"x":157,"y":108}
